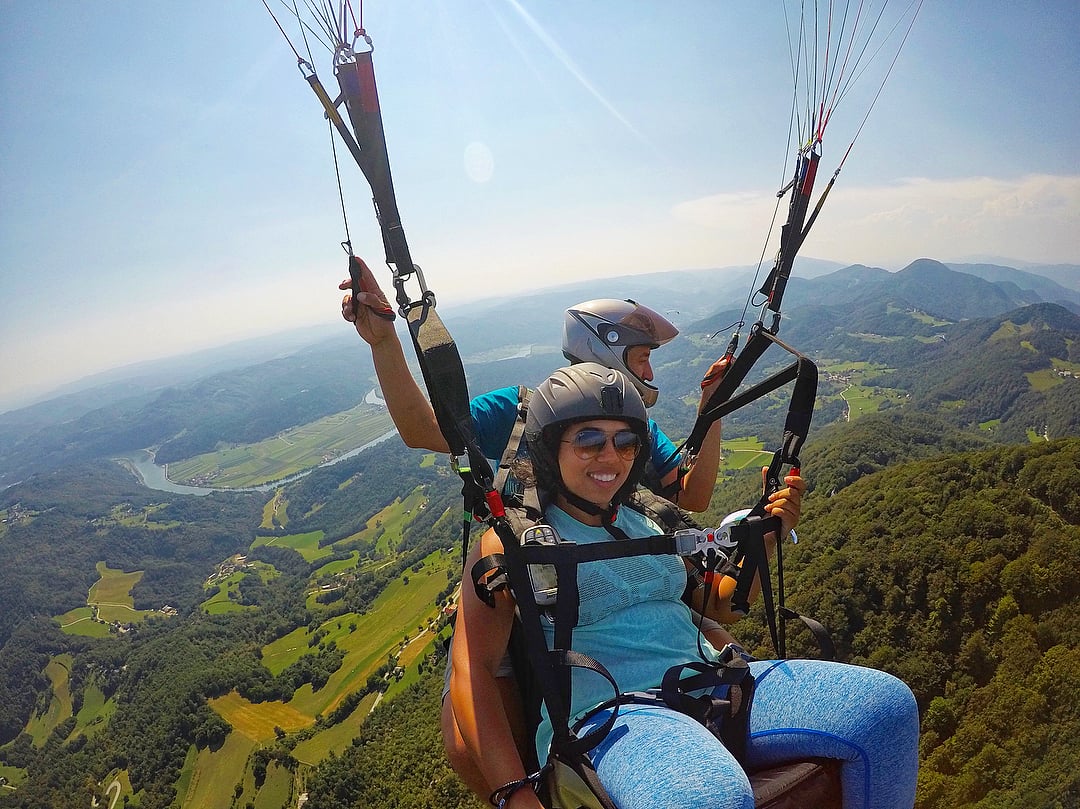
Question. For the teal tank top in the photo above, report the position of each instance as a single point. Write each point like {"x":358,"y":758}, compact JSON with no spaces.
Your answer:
{"x":632,"y":617}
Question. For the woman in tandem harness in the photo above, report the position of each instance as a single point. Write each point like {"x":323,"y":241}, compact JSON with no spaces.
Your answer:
{"x":586,"y":426}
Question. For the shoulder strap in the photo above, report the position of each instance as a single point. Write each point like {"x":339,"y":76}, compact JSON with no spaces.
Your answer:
{"x":505,"y":483}
{"x":660,"y":510}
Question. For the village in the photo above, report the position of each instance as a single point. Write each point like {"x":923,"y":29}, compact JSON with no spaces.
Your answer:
{"x":233,"y":564}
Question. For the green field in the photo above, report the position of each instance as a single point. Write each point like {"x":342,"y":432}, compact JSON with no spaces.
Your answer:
{"x":111,"y":595}
{"x":14,"y":775}
{"x":366,"y":639}
{"x":116,"y":787}
{"x":307,"y":545}
{"x":276,"y":789}
{"x":220,"y":602}
{"x":276,"y":511}
{"x":257,"y":721}
{"x":393,"y":519}
{"x":285,"y":454}
{"x":739,"y":453}
{"x":15,"y":515}
{"x":127,"y":516}
{"x":80,"y":621}
{"x":1044,"y":380}
{"x":216,"y":772}
{"x":58,"y":670}
{"x":339,"y":566}
{"x":335,"y":738}
{"x":187,"y":772}
{"x":849,"y":378}
{"x":367,"y":647}
{"x":114,"y":586}
{"x":421,"y":646}
{"x":860,"y":401}
{"x":286,"y":650}
{"x":209,"y":779}
{"x":94,"y":713}
{"x":915,"y":314}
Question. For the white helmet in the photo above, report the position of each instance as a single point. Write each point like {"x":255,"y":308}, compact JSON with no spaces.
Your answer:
{"x":604,"y":330}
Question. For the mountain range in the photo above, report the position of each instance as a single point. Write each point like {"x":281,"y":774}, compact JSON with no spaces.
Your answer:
{"x":184,"y":413}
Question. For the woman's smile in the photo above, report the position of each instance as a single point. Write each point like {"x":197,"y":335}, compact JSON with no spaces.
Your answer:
{"x":599,"y":477}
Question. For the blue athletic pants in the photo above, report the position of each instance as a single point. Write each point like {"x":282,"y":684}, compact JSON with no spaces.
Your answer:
{"x":657,"y":758}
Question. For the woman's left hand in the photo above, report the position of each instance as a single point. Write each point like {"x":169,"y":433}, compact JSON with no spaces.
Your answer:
{"x":786,"y":503}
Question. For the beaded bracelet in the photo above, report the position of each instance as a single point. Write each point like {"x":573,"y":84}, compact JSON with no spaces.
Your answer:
{"x":503,"y":794}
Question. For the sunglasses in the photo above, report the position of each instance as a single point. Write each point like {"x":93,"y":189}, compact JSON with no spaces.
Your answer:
{"x":590,"y":442}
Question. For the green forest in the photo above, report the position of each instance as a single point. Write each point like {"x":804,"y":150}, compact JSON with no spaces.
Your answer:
{"x":955,"y":574}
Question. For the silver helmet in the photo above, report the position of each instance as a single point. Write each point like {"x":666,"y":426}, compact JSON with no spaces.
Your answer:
{"x":581,"y":392}
{"x":604,"y":330}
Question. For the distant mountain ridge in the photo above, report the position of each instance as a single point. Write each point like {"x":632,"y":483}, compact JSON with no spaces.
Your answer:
{"x":835,"y":314}
{"x":1011,"y":384}
{"x":924,"y":284}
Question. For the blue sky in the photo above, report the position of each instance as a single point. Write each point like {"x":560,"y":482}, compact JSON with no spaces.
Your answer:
{"x":167,"y":184}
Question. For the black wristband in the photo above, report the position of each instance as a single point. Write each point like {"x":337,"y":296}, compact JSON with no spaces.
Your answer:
{"x":501,"y":795}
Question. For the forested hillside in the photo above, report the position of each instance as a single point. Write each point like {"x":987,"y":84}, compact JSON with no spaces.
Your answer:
{"x":1010,"y":389}
{"x":955,"y":573}
{"x":153,"y":683}
{"x":68,"y":521}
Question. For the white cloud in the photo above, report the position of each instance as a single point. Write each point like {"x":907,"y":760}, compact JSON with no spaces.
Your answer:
{"x":1033,"y":218}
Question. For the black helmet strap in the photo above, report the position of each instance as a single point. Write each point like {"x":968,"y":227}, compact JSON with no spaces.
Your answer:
{"x":606,"y":515}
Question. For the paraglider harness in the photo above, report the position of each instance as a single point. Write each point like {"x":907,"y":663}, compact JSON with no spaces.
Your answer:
{"x":541,"y":570}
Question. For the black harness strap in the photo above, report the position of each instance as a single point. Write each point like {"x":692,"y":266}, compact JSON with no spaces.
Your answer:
{"x":723,"y":401}
{"x":505,"y":483}
{"x":437,"y":354}
{"x":510,"y":567}
{"x":751,"y":554}
{"x":750,"y":532}
{"x":356,"y":79}
{"x":555,"y":698}
{"x":444,"y":376}
{"x":710,"y":710}
{"x":792,"y":233}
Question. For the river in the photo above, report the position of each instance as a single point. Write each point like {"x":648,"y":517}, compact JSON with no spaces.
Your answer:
{"x":141,"y":464}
